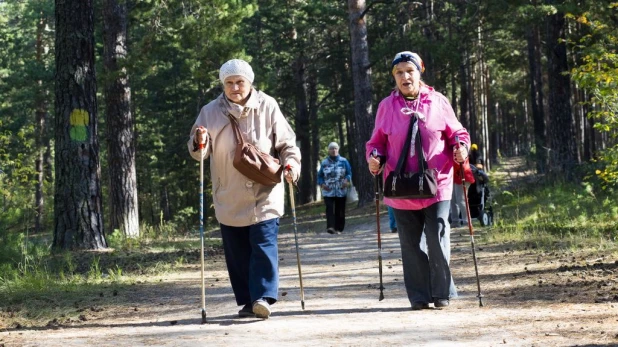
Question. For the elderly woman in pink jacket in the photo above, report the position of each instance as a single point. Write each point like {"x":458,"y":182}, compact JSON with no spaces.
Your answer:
{"x":417,"y":106}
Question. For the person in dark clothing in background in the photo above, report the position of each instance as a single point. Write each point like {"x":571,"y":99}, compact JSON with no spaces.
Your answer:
{"x":334,"y":177}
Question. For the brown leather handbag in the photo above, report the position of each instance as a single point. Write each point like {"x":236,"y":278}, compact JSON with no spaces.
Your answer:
{"x":256,"y":165}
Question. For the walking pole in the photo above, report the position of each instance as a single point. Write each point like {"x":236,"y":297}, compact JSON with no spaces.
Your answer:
{"x":377,"y":198}
{"x":203,"y":289}
{"x":300,"y":273}
{"x":465,"y":193}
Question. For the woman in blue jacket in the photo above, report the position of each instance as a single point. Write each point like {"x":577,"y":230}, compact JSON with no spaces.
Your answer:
{"x":334,"y":178}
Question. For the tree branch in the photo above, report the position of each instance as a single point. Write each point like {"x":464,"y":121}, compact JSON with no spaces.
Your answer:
{"x":324,"y":99}
{"x":373,"y":4}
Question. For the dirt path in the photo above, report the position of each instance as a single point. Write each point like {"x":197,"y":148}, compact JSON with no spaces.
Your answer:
{"x":531,"y":299}
{"x":515,"y":171}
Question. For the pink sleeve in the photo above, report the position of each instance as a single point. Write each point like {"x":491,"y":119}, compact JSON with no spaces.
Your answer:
{"x":378,"y":137}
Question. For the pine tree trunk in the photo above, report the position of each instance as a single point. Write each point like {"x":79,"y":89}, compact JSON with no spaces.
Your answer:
{"x":483,"y":101}
{"x":361,"y":76}
{"x":464,"y":117}
{"x":589,"y":138}
{"x":164,"y":205}
{"x":41,"y":132}
{"x":120,"y":130}
{"x":473,"y":129}
{"x":314,"y":139}
{"x":315,"y":145}
{"x":563,"y":153}
{"x":302,"y":129}
{"x":536,"y":97}
{"x":78,"y":215}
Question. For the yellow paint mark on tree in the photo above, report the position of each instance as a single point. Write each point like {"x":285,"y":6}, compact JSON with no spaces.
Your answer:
{"x":79,"y":122}
{"x":79,"y":117}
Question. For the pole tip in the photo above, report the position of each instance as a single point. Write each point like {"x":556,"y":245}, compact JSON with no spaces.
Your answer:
{"x":381,"y":297}
{"x":302,"y":304}
{"x":203,"y":316}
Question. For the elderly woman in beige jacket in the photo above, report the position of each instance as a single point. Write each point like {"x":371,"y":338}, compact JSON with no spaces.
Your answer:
{"x":248,"y":212}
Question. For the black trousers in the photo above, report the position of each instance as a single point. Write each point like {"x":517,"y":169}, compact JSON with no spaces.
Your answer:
{"x":335,"y":213}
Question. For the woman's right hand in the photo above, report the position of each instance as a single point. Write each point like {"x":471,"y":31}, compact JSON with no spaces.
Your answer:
{"x":200,"y":135}
{"x":374,"y":165}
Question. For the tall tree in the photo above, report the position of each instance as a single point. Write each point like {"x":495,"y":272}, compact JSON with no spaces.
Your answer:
{"x":41,"y":105}
{"x":563,"y":147}
{"x":536,"y":93}
{"x":78,"y":214}
{"x":119,"y":120}
{"x":361,"y":75}
{"x":303,"y":129}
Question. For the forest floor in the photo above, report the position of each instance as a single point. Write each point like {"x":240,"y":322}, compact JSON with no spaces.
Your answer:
{"x":531,"y":298}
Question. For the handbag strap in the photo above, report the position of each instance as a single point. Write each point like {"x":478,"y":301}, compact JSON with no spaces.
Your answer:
{"x":274,"y":142}
{"x":240,"y":139}
{"x":237,"y":134}
{"x":422,"y":163}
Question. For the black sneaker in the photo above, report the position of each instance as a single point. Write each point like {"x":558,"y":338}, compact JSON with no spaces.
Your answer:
{"x":394,"y":230}
{"x":330,"y":231}
{"x":419,"y":305}
{"x":438,"y":303}
{"x":246,"y":311}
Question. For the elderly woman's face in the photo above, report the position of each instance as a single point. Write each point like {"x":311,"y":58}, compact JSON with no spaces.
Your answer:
{"x":408,"y":78}
{"x":333,"y":151}
{"x":237,"y":89}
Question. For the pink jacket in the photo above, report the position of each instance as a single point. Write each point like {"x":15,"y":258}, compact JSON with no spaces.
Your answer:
{"x":438,"y":130}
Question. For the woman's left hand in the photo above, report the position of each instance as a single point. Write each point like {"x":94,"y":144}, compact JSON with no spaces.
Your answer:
{"x":460,"y":154}
{"x":289,"y":174}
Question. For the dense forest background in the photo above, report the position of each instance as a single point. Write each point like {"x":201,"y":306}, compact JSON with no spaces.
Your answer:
{"x":533,"y":78}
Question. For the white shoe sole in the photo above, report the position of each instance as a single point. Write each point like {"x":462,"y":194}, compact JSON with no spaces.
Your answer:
{"x":261,"y":310}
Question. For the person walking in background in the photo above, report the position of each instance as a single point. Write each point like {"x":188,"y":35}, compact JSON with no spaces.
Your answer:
{"x":475,"y":156}
{"x":427,"y":276}
{"x":248,"y":212}
{"x":334,"y":178}
{"x":392,"y":223}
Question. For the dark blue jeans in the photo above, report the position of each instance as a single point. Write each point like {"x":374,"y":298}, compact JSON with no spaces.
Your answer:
{"x":251,"y":255}
{"x":426,"y":275}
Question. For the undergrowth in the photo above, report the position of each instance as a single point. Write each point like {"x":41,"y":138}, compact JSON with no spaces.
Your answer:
{"x":37,"y":284}
{"x":555,"y":215}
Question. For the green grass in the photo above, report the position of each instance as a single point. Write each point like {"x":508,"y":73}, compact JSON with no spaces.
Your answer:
{"x":37,"y":286}
{"x":557,"y":215}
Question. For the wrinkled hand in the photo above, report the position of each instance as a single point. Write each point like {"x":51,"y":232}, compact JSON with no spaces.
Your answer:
{"x":345,"y":183}
{"x":325,"y":187}
{"x":200,"y":135}
{"x":460,"y":154}
{"x":289,"y":174}
{"x":374,"y":165}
